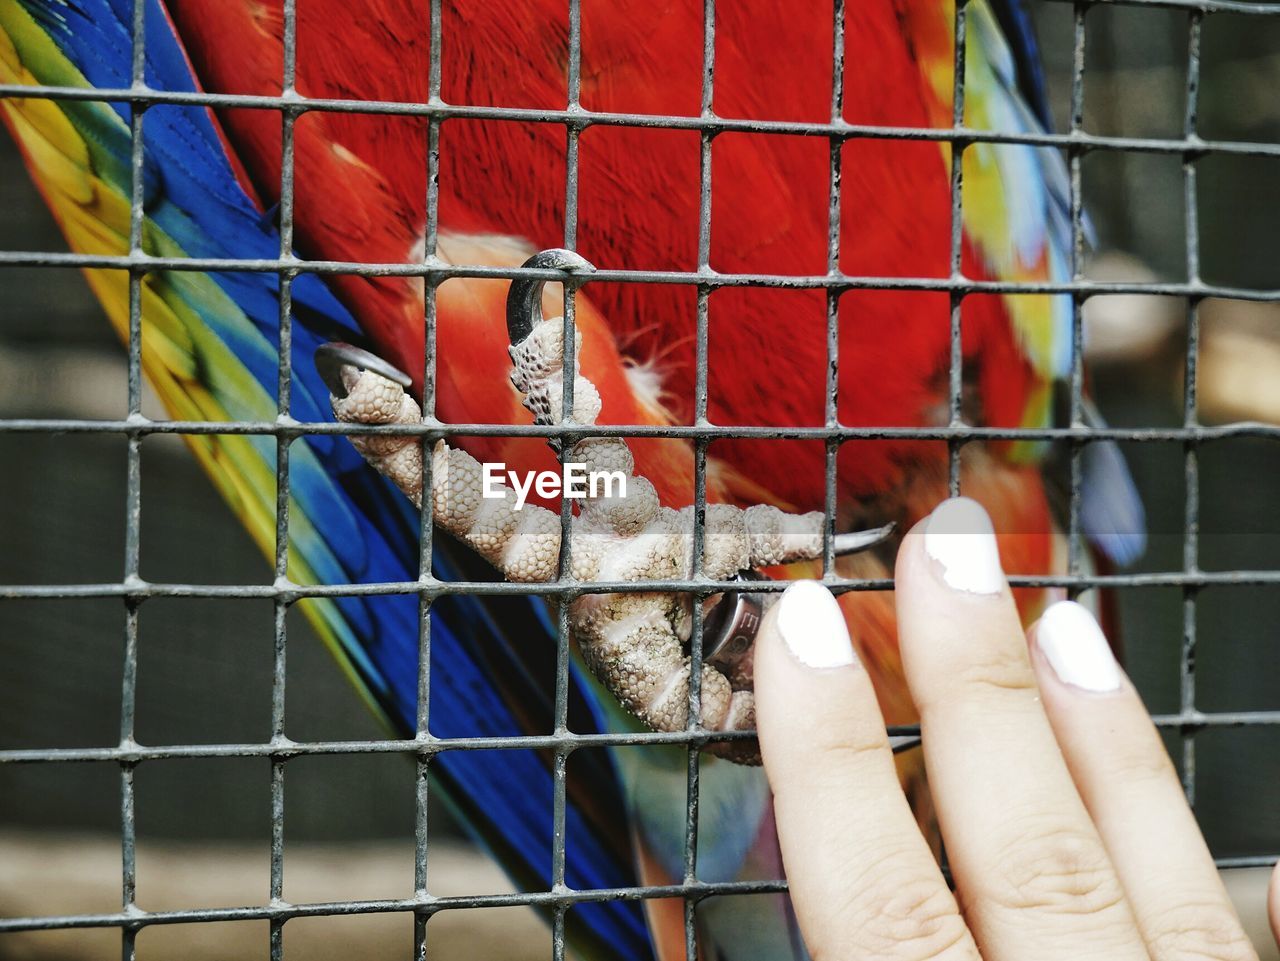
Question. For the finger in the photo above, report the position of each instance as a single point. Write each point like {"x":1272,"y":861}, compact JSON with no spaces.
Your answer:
{"x":1031,"y":871}
{"x":863,"y":881}
{"x":1124,"y":775}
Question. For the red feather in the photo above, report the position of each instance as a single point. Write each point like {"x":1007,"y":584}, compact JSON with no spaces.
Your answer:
{"x":361,"y":196}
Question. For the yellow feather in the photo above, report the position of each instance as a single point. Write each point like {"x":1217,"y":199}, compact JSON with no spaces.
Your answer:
{"x":177,"y":345}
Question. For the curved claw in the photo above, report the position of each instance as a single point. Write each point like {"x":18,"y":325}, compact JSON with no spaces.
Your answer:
{"x":524,"y":299}
{"x":332,"y":357}
{"x":855,"y":541}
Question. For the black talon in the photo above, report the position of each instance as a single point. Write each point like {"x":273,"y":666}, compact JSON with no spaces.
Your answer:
{"x":524,"y":299}
{"x":332,"y":357}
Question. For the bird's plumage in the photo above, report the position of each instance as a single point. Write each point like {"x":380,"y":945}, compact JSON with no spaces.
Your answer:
{"x":211,"y":340}
{"x":210,"y":345}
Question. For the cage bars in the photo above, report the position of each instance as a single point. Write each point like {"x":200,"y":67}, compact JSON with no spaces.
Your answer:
{"x":693,"y":723}
{"x":133,"y":492}
{"x":562,"y":742}
{"x":422,"y":733}
{"x":282,"y":603}
{"x":1191,"y":446}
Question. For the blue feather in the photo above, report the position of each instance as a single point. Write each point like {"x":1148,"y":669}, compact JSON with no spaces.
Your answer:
{"x":487,"y":680}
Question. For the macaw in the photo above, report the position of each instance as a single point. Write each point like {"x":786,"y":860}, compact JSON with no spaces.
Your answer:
{"x":212,"y":189}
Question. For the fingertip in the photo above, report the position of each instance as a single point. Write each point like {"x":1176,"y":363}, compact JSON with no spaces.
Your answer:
{"x":961,"y":540}
{"x":954,"y":548}
{"x":809,"y":683}
{"x":812,"y":626}
{"x":956,"y":616}
{"x":803,"y":642}
{"x":950,"y":592}
{"x":1074,"y":648}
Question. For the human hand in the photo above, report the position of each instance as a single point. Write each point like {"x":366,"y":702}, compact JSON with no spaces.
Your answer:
{"x":1066,"y":829}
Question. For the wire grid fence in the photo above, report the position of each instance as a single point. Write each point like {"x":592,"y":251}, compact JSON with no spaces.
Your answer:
{"x":133,"y":590}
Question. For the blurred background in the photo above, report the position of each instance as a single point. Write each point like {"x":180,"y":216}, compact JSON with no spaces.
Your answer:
{"x":205,"y":665}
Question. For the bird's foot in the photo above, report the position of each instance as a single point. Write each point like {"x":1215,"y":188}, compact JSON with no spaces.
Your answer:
{"x":636,"y":642}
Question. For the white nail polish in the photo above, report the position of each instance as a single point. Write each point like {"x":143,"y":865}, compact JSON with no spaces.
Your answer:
{"x":813,"y":626}
{"x":959,"y":536}
{"x":1076,"y":649}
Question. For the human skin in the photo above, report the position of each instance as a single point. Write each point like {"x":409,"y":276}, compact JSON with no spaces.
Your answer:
{"x":1065,"y":826}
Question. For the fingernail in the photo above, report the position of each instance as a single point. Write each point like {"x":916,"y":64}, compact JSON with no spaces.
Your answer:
{"x":812,"y":625}
{"x":959,"y":536}
{"x":1076,"y":649}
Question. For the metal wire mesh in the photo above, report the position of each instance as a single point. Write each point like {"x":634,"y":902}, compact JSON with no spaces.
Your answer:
{"x":133,"y":590}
